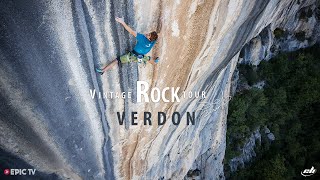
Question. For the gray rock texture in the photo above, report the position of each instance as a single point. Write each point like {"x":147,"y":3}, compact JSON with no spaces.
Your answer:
{"x":296,"y":27}
{"x":248,"y":151}
{"x":48,"y":51}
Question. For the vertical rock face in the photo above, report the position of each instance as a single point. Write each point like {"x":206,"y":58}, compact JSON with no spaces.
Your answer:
{"x":296,"y":27}
{"x":48,"y":52}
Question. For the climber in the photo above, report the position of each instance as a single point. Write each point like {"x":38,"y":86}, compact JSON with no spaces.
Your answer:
{"x":143,"y":46}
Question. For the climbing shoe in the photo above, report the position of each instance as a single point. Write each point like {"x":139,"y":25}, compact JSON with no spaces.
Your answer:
{"x":98,"y":70}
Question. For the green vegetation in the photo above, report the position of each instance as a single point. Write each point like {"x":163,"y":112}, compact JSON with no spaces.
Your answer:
{"x":249,"y":73}
{"x":289,"y":106}
{"x":305,"y":14}
{"x":309,"y":13}
{"x":279,"y":33}
{"x":301,"y":36}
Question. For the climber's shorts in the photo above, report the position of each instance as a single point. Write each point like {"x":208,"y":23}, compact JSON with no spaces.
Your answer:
{"x":127,"y":58}
{"x":130,"y":57}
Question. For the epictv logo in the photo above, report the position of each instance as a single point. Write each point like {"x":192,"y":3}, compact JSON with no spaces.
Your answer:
{"x":19,"y":172}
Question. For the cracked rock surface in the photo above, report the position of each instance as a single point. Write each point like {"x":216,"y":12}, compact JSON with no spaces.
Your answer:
{"x":48,"y":51}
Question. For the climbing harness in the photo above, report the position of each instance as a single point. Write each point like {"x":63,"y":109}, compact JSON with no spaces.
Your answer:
{"x":132,"y":57}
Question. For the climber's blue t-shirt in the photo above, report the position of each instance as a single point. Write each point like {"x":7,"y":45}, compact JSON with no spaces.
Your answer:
{"x":143,"y":45}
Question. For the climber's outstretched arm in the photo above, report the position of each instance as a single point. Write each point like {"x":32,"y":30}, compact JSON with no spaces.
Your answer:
{"x":131,"y":31}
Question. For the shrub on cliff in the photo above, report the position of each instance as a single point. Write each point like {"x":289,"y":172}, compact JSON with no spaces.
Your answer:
{"x":278,"y":33}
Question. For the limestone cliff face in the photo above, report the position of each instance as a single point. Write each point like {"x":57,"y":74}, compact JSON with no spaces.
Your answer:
{"x":296,"y":27}
{"x":48,"y":53}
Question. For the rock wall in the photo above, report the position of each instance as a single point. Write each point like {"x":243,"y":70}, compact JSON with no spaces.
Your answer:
{"x":248,"y":151}
{"x":48,"y":52}
{"x":295,"y":28}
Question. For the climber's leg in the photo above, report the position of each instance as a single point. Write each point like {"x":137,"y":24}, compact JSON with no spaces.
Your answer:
{"x":109,"y":66}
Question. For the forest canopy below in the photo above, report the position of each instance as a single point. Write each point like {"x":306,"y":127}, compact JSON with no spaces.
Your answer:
{"x":289,"y":105}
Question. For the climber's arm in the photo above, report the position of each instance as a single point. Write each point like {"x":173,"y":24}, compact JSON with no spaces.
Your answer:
{"x":152,"y":62}
{"x":131,"y":31}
